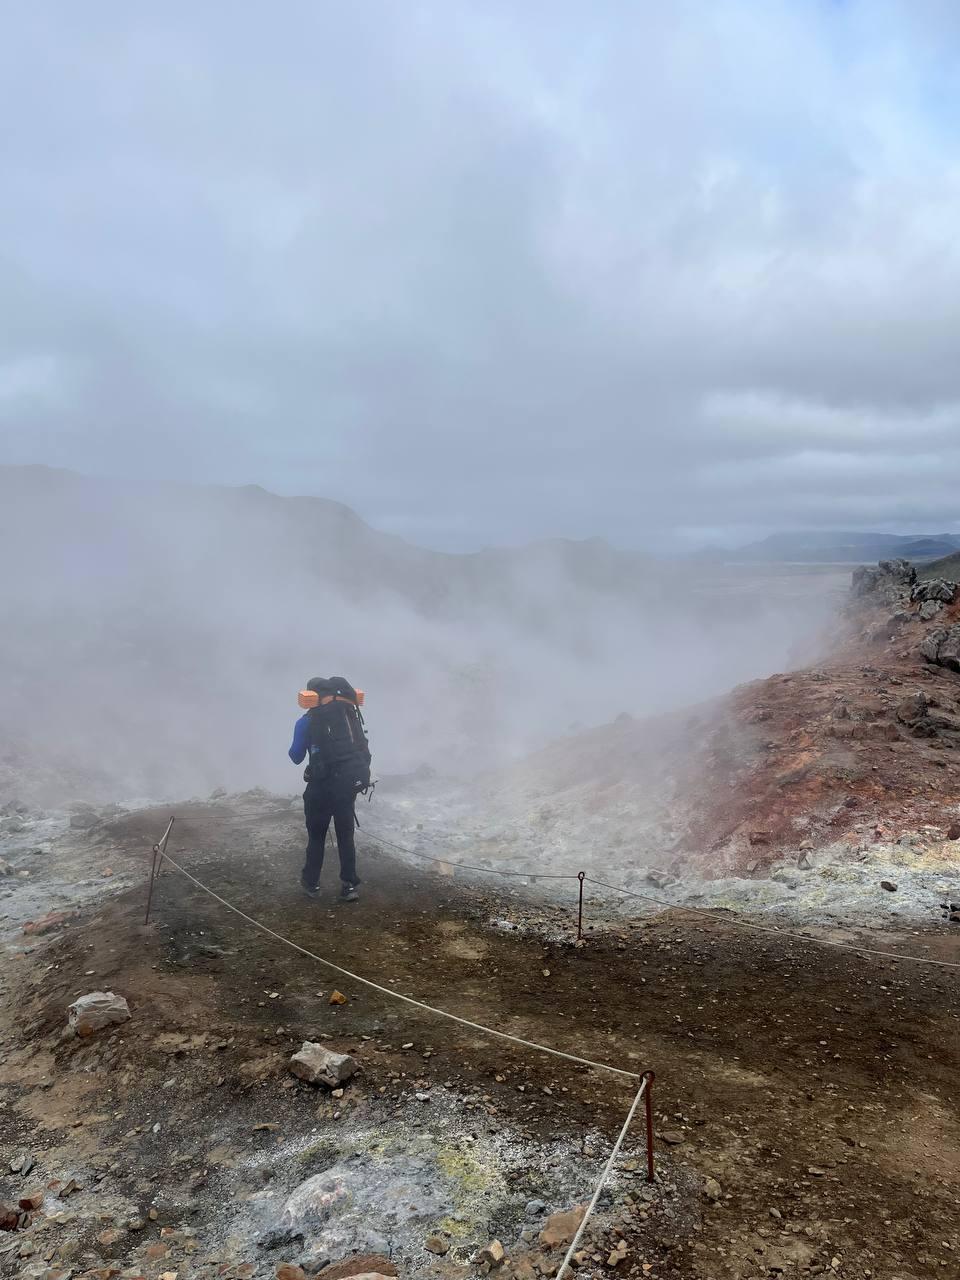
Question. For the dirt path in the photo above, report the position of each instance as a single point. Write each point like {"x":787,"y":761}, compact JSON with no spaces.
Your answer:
{"x":817,"y":1088}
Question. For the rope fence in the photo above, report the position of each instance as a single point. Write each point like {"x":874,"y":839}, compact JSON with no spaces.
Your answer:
{"x":466,"y":866}
{"x":395,"y":995}
{"x":645,"y":1078}
{"x":704,"y":912}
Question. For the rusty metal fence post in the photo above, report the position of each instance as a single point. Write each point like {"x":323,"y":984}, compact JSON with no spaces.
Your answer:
{"x":158,"y":851}
{"x":648,"y":1099}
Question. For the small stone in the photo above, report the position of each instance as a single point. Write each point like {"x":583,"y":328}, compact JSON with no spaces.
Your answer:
{"x":814,"y":1172}
{"x":492,"y":1255}
{"x":46,"y":924}
{"x":560,"y":1228}
{"x":888,"y":885}
{"x":535,"y":1208}
{"x":337,"y":997}
{"x":318,"y":1065}
{"x":437,"y":1245}
{"x":673,"y":1137}
{"x":712,"y":1189}
{"x":9,"y":1217}
{"x":775,"y":1214}
{"x":953,"y":831}
{"x":32,"y":1202}
{"x":97,"y":1010}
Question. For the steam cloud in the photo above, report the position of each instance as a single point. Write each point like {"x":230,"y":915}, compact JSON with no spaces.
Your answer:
{"x":155,"y":637}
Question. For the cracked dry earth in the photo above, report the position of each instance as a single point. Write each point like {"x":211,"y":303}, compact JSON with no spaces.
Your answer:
{"x":805,"y":1098}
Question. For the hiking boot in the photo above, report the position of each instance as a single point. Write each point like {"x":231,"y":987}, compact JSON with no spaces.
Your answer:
{"x":349,"y":893}
{"x":311,"y":890}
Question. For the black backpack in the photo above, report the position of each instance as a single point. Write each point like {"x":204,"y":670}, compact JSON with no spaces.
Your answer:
{"x":339,"y":750}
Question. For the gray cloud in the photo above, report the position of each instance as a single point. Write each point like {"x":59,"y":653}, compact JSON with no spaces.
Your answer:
{"x":493,"y":271}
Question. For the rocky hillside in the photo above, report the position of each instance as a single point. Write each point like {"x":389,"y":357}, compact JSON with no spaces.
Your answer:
{"x":947,"y":567}
{"x":856,"y":757}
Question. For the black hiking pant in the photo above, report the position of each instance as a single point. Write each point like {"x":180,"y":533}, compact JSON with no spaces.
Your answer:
{"x":322,"y":803}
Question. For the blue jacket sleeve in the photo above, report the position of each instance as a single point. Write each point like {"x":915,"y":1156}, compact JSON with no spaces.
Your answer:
{"x":301,"y":740}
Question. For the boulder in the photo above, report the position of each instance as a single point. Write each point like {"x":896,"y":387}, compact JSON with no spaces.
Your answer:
{"x":362,"y":1203}
{"x":942,"y":647}
{"x":84,"y":818}
{"x":913,"y":711}
{"x":890,"y":581}
{"x":936,"y":591}
{"x":97,"y":1010}
{"x":318,"y":1065}
{"x":929,"y":610}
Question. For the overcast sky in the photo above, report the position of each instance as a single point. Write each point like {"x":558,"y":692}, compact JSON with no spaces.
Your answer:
{"x":496,"y":270}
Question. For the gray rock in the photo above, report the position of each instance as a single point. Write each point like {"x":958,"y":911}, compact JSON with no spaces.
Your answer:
{"x":318,"y":1065}
{"x":942,"y":647}
{"x":785,"y":876}
{"x":949,"y":655}
{"x":362,"y":1204}
{"x":936,"y":591}
{"x":929,"y":610}
{"x":930,"y":644}
{"x":97,"y":1010}
{"x":891,"y":581}
{"x":535,"y":1208}
{"x":912,"y":709}
{"x":83,"y":819}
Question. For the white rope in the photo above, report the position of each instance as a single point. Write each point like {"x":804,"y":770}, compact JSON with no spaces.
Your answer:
{"x":779,"y":933}
{"x":417,"y":1004}
{"x":732,"y":922}
{"x":466,"y":866}
{"x":602,"y":1183}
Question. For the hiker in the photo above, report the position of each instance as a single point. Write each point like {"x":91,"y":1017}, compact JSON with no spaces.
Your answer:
{"x":332,"y":735}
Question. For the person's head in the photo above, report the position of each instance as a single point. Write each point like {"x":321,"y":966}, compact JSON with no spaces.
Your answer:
{"x":319,"y":684}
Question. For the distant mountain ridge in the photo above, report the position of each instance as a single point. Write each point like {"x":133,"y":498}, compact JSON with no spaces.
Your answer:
{"x":847,"y":547}
{"x":946,"y":567}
